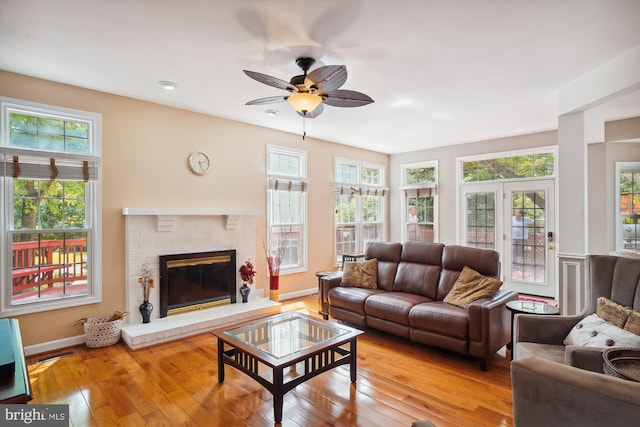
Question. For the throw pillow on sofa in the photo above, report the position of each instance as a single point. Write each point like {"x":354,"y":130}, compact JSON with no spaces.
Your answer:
{"x":612,"y":312}
{"x":633,"y":323}
{"x":360,"y":274}
{"x":471,"y":286}
{"x":592,"y":331}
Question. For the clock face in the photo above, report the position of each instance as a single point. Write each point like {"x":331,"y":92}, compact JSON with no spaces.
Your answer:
{"x":199,"y":163}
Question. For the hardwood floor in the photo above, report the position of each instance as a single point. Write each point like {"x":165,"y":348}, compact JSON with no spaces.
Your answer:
{"x":176,"y":384}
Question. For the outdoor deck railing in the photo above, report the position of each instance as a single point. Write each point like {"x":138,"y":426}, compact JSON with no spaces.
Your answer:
{"x":48,"y":262}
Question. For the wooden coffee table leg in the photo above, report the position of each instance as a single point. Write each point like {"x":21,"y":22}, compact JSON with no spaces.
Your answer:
{"x":220,"y":361}
{"x":354,"y":358}
{"x":278,"y":394}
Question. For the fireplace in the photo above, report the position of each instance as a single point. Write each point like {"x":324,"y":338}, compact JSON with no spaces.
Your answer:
{"x":195,"y":281}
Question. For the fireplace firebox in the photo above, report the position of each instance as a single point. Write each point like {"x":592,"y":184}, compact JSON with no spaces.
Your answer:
{"x":195,"y":281}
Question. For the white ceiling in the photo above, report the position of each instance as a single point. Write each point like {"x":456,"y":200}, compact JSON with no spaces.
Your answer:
{"x":441,"y":72}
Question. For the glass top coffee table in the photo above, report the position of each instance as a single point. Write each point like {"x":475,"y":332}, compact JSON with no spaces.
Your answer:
{"x":270,"y":349}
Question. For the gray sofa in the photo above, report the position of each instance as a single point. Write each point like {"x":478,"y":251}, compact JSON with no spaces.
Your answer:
{"x":551,"y":394}
{"x":412,"y":281}
{"x":613,"y":277}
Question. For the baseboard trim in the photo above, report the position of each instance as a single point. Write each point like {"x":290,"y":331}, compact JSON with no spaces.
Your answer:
{"x":298,"y":294}
{"x":54,"y":345}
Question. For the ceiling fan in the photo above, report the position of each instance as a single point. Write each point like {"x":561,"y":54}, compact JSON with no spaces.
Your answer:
{"x":310,"y":91}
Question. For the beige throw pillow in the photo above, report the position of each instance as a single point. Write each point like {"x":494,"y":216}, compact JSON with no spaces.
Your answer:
{"x":471,"y":286}
{"x":633,"y":323}
{"x":612,"y":312}
{"x":360,"y":274}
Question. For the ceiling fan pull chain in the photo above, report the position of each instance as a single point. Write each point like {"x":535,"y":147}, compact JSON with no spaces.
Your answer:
{"x":304,"y":127}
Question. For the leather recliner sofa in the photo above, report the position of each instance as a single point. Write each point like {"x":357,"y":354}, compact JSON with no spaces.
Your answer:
{"x":413,"y":279}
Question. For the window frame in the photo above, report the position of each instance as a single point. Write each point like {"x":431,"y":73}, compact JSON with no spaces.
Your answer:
{"x":93,"y":204}
{"x":299,"y":183}
{"x":405,"y":188}
{"x":633,"y":167}
{"x":363,"y":189}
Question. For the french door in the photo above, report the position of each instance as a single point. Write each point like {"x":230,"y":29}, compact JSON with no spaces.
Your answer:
{"x":516,"y":219}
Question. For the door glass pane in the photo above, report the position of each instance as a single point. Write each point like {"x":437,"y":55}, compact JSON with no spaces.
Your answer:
{"x":528,"y":236}
{"x":481,"y":220}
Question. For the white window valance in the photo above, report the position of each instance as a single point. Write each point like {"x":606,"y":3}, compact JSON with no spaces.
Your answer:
{"x":420,"y":190}
{"x":359,"y":190}
{"x":287,"y":184}
{"x":36,"y":167}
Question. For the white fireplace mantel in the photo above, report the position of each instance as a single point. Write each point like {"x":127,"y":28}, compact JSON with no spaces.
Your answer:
{"x":165,"y":217}
{"x":190,"y":211}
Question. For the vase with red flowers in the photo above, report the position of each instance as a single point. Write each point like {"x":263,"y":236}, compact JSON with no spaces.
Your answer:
{"x":246,"y":273}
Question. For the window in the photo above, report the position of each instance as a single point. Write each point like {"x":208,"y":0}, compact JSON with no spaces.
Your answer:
{"x":51,"y":202}
{"x":419,"y":201}
{"x":628,"y":206}
{"x":287,"y":206}
{"x":523,"y":166}
{"x":359,"y":196}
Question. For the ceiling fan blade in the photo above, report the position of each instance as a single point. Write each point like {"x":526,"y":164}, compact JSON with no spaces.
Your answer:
{"x":327,"y":78}
{"x":346,"y":98}
{"x":269,"y":80}
{"x":267,"y":100}
{"x":311,"y":114}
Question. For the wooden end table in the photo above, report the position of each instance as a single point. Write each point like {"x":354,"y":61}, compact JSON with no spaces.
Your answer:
{"x":283,"y":341}
{"x":528,"y":307}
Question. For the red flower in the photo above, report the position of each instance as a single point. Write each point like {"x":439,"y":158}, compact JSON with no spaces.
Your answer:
{"x":247,"y":272}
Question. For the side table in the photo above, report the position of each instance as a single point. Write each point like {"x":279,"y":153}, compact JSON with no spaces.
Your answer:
{"x":320,"y":275}
{"x":351,"y":257}
{"x":528,"y":307}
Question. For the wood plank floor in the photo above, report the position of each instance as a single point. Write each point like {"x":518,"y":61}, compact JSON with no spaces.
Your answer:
{"x":176,"y":384}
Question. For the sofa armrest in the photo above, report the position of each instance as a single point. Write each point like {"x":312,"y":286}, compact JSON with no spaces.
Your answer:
{"x":490,"y":314}
{"x":543,"y":329}
{"x":325,"y":284}
{"x":589,"y":358}
{"x":547,"y":393}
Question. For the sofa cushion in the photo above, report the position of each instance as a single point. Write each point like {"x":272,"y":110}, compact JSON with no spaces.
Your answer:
{"x":360,"y":274}
{"x":441,"y":318}
{"x":388,"y":256}
{"x":471,"y":286}
{"x":612,"y":312}
{"x":419,"y":269}
{"x":393,"y":306}
{"x":592,"y":331}
{"x":455,"y":258}
{"x":350,"y":298}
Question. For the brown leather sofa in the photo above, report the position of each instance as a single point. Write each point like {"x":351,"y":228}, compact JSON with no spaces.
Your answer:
{"x":413,"y":279}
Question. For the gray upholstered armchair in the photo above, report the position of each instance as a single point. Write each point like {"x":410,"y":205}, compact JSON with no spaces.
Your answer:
{"x":616,"y":278}
{"x":547,"y":393}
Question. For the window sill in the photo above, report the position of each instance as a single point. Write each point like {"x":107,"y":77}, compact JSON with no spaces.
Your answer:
{"x":57,"y":304}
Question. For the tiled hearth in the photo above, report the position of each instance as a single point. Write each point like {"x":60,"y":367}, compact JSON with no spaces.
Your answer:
{"x":150,"y":233}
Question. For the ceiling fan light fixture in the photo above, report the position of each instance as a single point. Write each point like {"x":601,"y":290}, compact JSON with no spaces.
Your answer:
{"x":304,"y":102}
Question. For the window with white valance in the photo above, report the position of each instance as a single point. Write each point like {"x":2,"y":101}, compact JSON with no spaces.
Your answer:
{"x":419,"y":201}
{"x":50,"y":191}
{"x":359,"y":206}
{"x":287,"y":187}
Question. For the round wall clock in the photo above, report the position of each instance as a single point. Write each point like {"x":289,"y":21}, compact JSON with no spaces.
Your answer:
{"x":199,"y":162}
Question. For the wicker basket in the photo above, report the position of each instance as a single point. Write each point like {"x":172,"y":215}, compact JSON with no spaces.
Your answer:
{"x":99,"y":332}
{"x":622,"y":363}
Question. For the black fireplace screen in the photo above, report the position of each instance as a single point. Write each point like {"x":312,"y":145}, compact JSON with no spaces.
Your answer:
{"x":195,"y":279}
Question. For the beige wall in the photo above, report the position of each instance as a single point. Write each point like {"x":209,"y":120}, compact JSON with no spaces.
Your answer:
{"x":144,"y":151}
